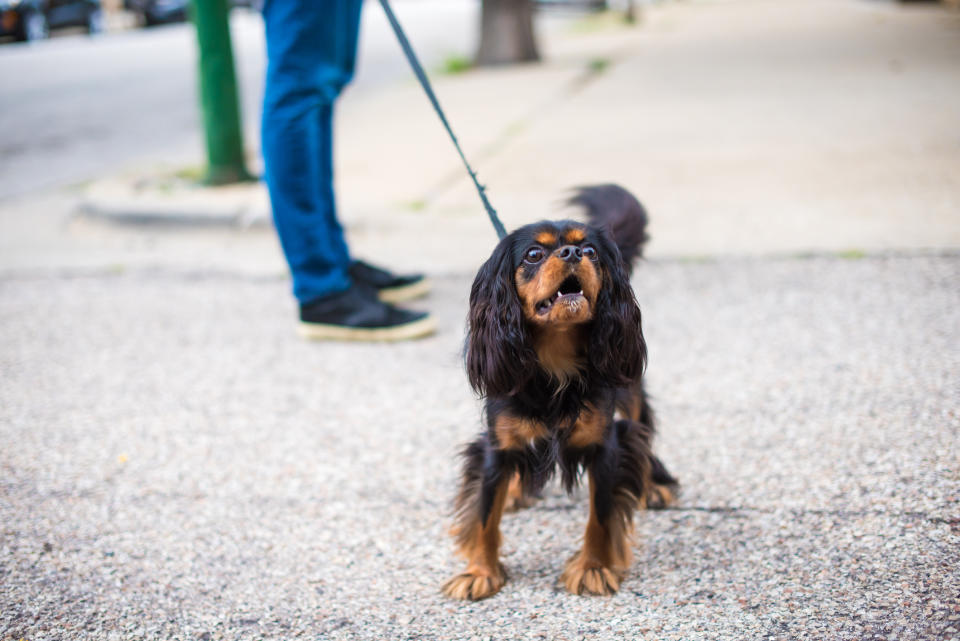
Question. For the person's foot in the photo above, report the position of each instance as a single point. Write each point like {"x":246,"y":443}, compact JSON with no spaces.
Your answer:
{"x":357,"y":315}
{"x":391,"y":288}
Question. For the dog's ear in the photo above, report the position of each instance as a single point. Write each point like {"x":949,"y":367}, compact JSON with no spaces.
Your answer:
{"x":499,"y":356}
{"x":617,"y":351}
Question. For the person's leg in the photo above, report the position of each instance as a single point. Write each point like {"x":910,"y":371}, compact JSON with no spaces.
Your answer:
{"x":311,"y":49}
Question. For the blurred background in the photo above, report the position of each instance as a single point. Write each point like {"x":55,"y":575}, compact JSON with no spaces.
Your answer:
{"x":747,"y":126}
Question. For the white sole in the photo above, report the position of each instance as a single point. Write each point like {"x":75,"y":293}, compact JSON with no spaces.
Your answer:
{"x":407,"y":331}
{"x":404,"y":293}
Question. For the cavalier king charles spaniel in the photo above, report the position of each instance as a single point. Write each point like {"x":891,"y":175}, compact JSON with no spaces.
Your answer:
{"x":555,"y":346}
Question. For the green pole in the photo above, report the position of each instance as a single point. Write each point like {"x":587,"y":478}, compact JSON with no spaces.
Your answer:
{"x":218,"y":93}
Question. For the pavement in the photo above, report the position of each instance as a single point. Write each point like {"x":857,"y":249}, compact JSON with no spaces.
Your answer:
{"x":178,"y":464}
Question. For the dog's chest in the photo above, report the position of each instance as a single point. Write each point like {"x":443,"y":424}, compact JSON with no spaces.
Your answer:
{"x":565,"y":419}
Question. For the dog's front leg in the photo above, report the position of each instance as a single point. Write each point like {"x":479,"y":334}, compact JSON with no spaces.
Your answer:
{"x":480,"y":504}
{"x":606,"y":553}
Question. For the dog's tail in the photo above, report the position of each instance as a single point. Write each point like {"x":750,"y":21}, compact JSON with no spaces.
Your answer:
{"x":615,"y":209}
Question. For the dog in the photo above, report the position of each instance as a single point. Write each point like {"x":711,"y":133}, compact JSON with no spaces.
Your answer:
{"x":555,"y":346}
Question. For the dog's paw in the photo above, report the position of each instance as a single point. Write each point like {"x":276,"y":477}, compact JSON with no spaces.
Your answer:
{"x":517,"y":497}
{"x":475,"y":585}
{"x":590,"y":578}
{"x":659,"y":497}
{"x":517,"y":502}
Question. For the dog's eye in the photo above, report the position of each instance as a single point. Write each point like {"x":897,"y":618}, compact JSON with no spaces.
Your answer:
{"x":590,"y":252}
{"x":534,"y":255}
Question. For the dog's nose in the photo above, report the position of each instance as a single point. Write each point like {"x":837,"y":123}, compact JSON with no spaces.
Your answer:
{"x":570,"y":253}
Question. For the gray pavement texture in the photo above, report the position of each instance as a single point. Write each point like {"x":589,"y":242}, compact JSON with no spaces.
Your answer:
{"x":179,"y":465}
{"x":176,"y":464}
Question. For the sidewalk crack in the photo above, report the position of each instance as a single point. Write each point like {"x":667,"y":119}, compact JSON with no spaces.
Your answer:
{"x":745,"y":510}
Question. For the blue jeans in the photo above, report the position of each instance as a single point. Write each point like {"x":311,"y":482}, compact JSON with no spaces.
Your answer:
{"x":311,"y":51}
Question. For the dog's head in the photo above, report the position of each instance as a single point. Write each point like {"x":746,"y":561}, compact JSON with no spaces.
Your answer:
{"x":548,"y":288}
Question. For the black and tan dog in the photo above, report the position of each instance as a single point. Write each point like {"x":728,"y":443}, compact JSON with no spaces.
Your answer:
{"x":555,"y":345}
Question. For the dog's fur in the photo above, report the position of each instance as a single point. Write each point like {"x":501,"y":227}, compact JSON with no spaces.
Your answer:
{"x":554,"y":371}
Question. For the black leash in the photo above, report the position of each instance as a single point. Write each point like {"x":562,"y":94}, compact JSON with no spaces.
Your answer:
{"x":425,"y":83}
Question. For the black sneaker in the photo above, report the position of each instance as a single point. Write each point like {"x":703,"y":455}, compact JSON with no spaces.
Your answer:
{"x":391,"y":288}
{"x":357,"y":315}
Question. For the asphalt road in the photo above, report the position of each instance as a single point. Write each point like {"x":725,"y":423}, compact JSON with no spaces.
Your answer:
{"x":76,"y":107}
{"x":178,"y":464}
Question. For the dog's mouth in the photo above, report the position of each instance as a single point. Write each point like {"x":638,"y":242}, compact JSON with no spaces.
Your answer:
{"x":570,"y":290}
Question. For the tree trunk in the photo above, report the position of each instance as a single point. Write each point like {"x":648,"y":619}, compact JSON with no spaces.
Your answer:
{"x":506,"y":33}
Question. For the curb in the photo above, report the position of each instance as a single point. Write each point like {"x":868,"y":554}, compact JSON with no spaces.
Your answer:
{"x":165,"y":200}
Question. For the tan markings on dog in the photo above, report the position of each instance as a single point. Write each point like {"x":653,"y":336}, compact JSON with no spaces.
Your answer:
{"x":590,"y":278}
{"x":517,"y":433}
{"x":599,"y":566}
{"x":553,"y":272}
{"x":516,"y":498}
{"x":589,"y":428}
{"x":666,"y":495}
{"x":484,"y":575}
{"x":527,"y":290}
{"x":560,"y":351}
{"x":543,"y":285}
{"x":575,"y":236}
{"x":550,"y":276}
{"x":545,"y":238}
{"x":657,"y":497}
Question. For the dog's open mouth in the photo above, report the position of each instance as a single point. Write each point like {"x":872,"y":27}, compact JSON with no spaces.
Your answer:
{"x":570,"y":289}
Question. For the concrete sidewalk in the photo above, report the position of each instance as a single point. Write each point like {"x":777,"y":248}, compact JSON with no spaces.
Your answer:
{"x":746,"y":128}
